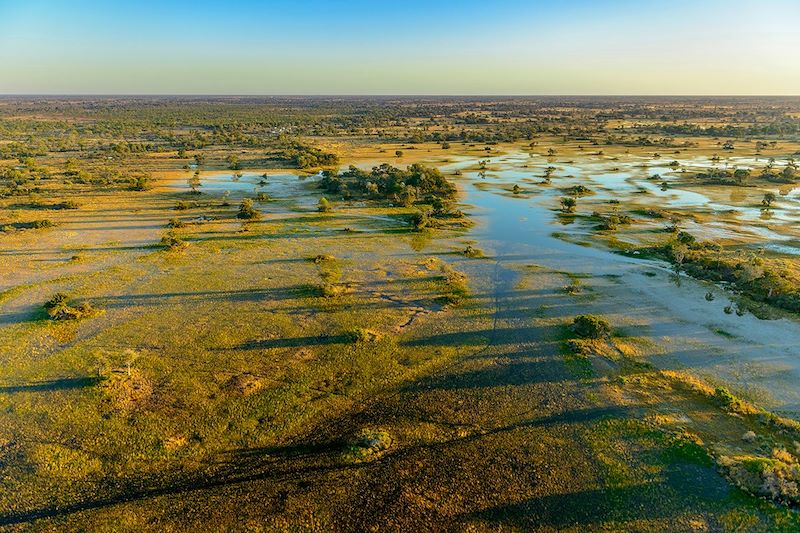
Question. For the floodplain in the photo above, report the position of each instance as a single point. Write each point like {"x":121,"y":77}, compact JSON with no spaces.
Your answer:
{"x":399,"y":314}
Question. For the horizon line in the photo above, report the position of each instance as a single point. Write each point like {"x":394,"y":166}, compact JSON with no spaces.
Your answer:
{"x":405,"y":95}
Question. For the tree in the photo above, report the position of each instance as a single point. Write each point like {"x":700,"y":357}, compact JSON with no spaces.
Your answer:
{"x":407,"y":196}
{"x":568,"y":204}
{"x":741,"y":175}
{"x":233,"y":162}
{"x":247,"y":211}
{"x":139,"y":182}
{"x":768,"y":199}
{"x":398,"y":153}
{"x":194,"y":182}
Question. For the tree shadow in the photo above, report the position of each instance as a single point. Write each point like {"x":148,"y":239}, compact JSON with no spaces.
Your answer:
{"x":51,"y":385}
{"x":654,"y":499}
{"x":296,"y":342}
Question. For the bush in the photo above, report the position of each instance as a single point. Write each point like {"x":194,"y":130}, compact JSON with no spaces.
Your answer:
{"x":420,"y":221}
{"x":176,"y":223}
{"x":469,"y":251}
{"x":34,"y":224}
{"x":247,"y":211}
{"x":725,"y":399}
{"x":361,"y":335}
{"x":323,"y":258}
{"x":329,"y":290}
{"x":56,"y":300}
{"x":776,"y":477}
{"x":139,"y":183}
{"x":369,"y":444}
{"x":324,"y":205}
{"x":58,"y":308}
{"x":591,"y":327}
{"x":578,"y":190}
{"x":686,"y":238}
{"x":171,"y":241}
{"x":455,"y":289}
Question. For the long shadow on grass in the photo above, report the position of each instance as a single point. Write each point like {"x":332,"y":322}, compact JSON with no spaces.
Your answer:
{"x":51,"y":385}
{"x":274,"y":464}
{"x":653,"y":500}
{"x":296,"y":342}
{"x":516,"y":373}
{"x":313,"y":459}
{"x":283,"y":293}
{"x":498,"y":336}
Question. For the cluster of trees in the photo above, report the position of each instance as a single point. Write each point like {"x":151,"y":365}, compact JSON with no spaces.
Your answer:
{"x":739,"y":176}
{"x":303,"y":156}
{"x":786,"y":175}
{"x":784,"y":127}
{"x":760,"y":279}
{"x":416,"y":183}
{"x":742,"y":176}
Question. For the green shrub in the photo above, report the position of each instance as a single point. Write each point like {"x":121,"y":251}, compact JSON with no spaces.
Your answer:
{"x":171,"y":241}
{"x":368,"y":444}
{"x":686,"y":238}
{"x":323,"y":258}
{"x":578,"y":190}
{"x":247,"y":211}
{"x":43,"y":223}
{"x":66,"y":204}
{"x":726,"y":399}
{"x":139,"y":182}
{"x":469,"y":251}
{"x":34,"y":224}
{"x":420,"y":220}
{"x":58,"y":308}
{"x":357,"y":335}
{"x":591,"y":327}
{"x":455,"y":287}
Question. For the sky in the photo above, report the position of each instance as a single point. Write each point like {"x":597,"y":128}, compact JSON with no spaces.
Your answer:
{"x":400,"y":47}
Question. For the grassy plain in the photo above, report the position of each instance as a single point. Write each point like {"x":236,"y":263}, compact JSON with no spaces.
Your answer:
{"x":341,"y":371}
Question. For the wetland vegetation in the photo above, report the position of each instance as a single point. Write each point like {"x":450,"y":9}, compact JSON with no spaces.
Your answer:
{"x":397,"y":313}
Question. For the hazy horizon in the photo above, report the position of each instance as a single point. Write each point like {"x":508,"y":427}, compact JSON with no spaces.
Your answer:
{"x":321,"y":48}
{"x":487,"y":96}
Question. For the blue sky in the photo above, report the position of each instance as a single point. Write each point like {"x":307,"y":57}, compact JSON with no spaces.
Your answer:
{"x":409,"y":47}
